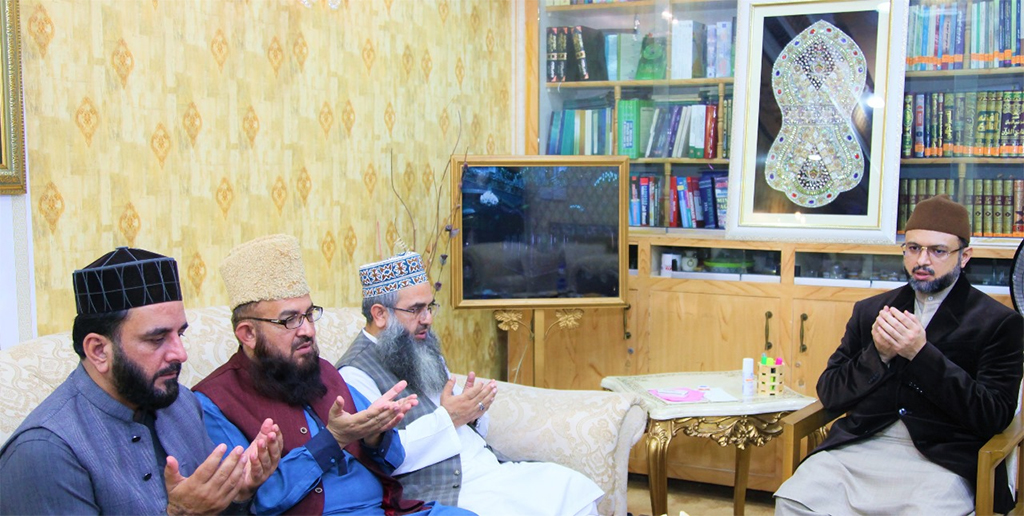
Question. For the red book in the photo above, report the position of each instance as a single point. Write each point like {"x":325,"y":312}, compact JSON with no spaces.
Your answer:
{"x":673,"y":221}
{"x":711,"y":132}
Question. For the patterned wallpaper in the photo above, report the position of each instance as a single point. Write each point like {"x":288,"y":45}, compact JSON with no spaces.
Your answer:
{"x":189,"y":126}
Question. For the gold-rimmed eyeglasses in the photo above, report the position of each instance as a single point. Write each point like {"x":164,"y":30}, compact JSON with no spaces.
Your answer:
{"x":312,"y":315}
{"x":421,"y":310}
{"x":937,"y":253}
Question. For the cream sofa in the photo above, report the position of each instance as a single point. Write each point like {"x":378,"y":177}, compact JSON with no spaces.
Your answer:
{"x":589,"y":431}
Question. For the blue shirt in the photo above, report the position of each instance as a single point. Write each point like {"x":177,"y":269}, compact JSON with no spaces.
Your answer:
{"x":349,"y":487}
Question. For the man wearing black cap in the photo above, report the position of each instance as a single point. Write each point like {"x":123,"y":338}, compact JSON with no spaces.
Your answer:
{"x":120,"y":436}
{"x":926,"y":374}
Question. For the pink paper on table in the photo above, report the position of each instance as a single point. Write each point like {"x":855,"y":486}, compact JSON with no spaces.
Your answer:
{"x":678,"y":395}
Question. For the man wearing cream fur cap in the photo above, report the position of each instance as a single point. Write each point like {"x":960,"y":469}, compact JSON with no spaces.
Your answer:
{"x":447,"y":458}
{"x":339,"y":449}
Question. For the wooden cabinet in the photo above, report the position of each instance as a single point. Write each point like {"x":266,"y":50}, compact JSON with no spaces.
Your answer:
{"x":693,"y":324}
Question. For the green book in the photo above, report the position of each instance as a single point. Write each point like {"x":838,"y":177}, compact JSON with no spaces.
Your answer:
{"x":652,"y":59}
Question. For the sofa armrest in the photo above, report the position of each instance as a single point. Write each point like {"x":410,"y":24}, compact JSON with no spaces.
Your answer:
{"x":589,"y":431}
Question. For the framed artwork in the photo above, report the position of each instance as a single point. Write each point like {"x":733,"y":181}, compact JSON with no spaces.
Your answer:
{"x":12,"y":144}
{"x":539,"y":231}
{"x":818,"y":111}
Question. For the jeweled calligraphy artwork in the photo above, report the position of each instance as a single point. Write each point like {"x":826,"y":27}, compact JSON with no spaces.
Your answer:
{"x":817,"y":81}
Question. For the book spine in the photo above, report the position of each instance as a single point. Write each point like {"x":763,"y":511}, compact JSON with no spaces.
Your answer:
{"x":998,"y":207}
{"x":1018,"y":207}
{"x":911,"y":196}
{"x":707,"y":200}
{"x":958,"y":38}
{"x":673,"y":128}
{"x":919,"y":144}
{"x":970,"y":121}
{"x":981,"y":124}
{"x":611,"y":56}
{"x":721,"y":199}
{"x":979,"y":207}
{"x":967,"y":199}
{"x":1007,"y":148}
{"x":901,"y":206}
{"x":563,"y":54}
{"x":645,"y":201}
{"x":959,"y":105}
{"x":697,"y":132}
{"x":696,"y":202}
{"x":1008,"y":207}
{"x":673,"y":205}
{"x":710,"y":131}
{"x":1018,"y":126}
{"x":723,"y":49}
{"x":551,"y":66}
{"x":680,"y":197}
{"x":947,"y":125}
{"x":907,"y":149}
{"x":711,"y":50}
{"x":634,"y":201}
{"x":995,"y":122}
{"x":988,"y":203}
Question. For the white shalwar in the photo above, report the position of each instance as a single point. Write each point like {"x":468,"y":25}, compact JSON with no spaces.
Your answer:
{"x":489,"y":488}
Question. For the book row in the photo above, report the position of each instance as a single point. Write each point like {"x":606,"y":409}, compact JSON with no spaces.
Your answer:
{"x":693,"y":202}
{"x":698,"y":50}
{"x":644,"y":128}
{"x":953,"y":35}
{"x":971,"y":123}
{"x":647,"y":129}
{"x":996,"y":205}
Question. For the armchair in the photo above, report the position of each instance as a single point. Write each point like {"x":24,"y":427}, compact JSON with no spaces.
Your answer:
{"x":810,"y":423}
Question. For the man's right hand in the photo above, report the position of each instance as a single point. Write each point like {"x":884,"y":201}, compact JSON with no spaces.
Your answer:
{"x":211,"y":488}
{"x":381,"y":416}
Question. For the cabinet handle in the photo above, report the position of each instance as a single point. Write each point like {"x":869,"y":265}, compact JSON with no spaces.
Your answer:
{"x":767,"y":343}
{"x":626,"y":335}
{"x":803,"y":347}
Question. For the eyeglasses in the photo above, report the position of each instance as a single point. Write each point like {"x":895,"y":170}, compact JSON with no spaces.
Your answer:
{"x":937,"y":253}
{"x":418,"y":312}
{"x":312,"y":315}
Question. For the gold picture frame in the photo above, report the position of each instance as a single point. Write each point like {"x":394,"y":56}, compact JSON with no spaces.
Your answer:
{"x":539,"y":231}
{"x":12,"y":144}
{"x":786,"y":95}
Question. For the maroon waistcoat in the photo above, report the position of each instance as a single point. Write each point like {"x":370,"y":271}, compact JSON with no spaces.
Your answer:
{"x":231,"y":388}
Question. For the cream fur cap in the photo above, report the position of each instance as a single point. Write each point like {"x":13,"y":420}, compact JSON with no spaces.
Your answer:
{"x":264,"y":269}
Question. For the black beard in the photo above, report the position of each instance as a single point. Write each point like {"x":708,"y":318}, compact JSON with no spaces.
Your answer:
{"x":420,"y":363}
{"x":278,"y":378}
{"x":935,"y":285}
{"x":131,"y":383}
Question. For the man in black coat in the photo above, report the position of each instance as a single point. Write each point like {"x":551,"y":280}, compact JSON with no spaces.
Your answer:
{"x":926,"y":374}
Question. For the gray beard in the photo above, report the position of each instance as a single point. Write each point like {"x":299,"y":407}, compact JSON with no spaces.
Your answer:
{"x":420,"y":363}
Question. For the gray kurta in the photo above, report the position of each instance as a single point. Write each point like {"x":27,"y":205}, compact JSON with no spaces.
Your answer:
{"x":80,"y":452}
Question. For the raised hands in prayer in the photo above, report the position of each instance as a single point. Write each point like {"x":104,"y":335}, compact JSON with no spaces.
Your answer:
{"x":381,"y":416}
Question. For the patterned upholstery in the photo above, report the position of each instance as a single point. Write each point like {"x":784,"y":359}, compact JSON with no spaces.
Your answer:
{"x":589,"y":431}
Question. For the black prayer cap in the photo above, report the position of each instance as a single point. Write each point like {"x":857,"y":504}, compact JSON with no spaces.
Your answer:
{"x":126,"y":278}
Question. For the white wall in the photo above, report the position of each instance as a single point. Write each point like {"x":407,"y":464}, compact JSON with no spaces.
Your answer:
{"x":17,"y":280}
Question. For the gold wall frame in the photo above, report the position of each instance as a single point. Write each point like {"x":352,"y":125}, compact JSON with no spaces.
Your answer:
{"x":539,"y":231}
{"x":12,"y":125}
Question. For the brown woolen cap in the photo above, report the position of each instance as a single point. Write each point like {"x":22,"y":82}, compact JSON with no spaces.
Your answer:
{"x":940,"y":213}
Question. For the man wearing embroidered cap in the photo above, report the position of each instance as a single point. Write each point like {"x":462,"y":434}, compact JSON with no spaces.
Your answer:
{"x":925,"y":374}
{"x":446,"y":455}
{"x":339,"y":448}
{"x":120,"y":436}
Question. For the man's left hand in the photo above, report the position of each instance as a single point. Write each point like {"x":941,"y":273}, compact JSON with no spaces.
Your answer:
{"x":264,"y":454}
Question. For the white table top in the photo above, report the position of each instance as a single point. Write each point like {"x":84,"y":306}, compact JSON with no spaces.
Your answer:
{"x":729,"y":381}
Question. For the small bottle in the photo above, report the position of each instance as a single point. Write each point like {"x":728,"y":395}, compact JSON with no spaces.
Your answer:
{"x":748,"y":378}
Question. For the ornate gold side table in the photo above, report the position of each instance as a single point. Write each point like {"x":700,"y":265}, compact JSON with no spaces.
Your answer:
{"x":743,"y":423}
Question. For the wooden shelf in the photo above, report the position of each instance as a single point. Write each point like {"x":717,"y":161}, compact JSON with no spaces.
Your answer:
{"x":640,"y":84}
{"x":970,"y":72}
{"x":640,"y":6}
{"x":969,"y":160}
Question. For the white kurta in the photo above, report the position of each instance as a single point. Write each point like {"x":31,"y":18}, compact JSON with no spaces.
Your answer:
{"x":488,"y":487}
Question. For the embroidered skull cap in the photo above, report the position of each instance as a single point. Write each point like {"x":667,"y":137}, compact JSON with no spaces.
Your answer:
{"x":401,"y":271}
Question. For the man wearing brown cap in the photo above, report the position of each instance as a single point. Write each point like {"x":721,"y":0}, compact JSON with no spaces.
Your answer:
{"x":339,"y":448}
{"x":925,"y":374}
{"x":120,"y":436}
